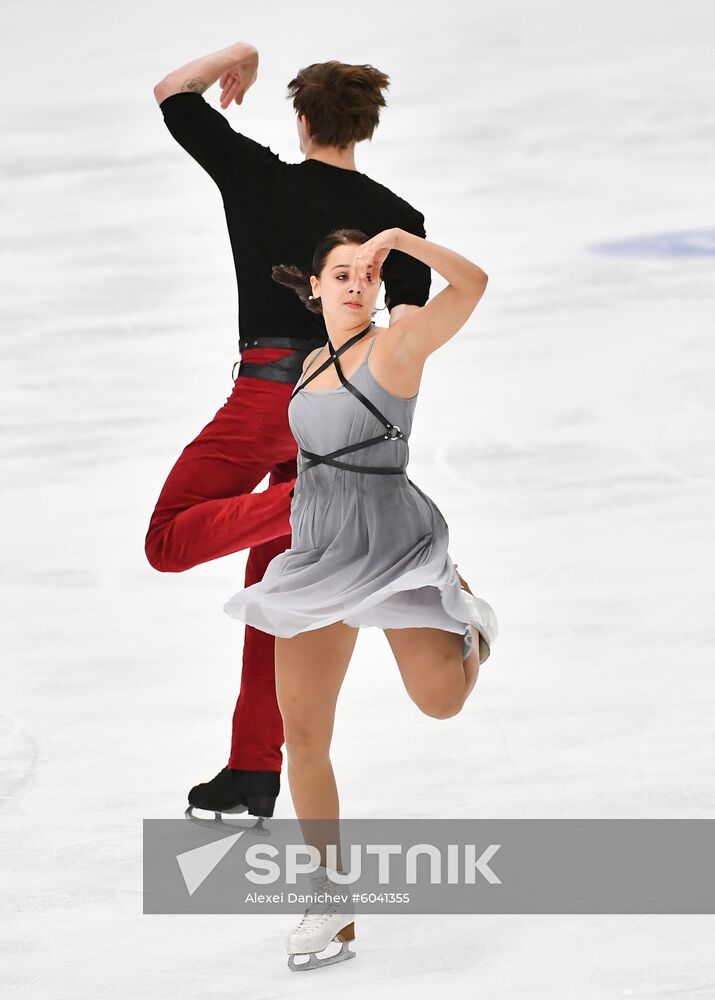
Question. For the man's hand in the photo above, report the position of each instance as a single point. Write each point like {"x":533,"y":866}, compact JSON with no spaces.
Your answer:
{"x":236,"y":67}
{"x":236,"y":81}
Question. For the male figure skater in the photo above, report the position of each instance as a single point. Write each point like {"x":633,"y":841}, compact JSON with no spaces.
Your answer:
{"x":276,"y":213}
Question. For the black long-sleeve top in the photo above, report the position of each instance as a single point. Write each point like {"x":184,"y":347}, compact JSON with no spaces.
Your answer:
{"x":277,"y":212}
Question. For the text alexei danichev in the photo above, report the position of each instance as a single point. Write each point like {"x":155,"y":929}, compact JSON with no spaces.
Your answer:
{"x":296,"y":897}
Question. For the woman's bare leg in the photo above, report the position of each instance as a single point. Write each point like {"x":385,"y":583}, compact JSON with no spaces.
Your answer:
{"x":310,"y":669}
{"x":430,"y":661}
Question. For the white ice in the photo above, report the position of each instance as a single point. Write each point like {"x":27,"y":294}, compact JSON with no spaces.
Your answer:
{"x":566,"y":432}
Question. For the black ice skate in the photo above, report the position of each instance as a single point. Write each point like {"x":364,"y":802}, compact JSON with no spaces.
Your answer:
{"x":236,"y":791}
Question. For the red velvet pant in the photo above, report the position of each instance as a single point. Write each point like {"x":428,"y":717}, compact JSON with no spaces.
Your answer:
{"x":206,"y":509}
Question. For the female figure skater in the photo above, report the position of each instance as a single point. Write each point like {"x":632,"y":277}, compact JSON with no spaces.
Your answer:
{"x":368,"y":547}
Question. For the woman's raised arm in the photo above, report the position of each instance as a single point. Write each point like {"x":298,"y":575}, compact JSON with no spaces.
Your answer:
{"x":425,"y":329}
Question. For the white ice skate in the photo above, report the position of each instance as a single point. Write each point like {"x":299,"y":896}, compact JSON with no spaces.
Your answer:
{"x":325,"y":922}
{"x":483,"y":619}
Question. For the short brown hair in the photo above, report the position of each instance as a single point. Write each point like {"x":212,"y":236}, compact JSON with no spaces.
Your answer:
{"x":341,"y":102}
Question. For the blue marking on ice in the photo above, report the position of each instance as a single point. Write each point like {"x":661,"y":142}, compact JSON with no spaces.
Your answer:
{"x":685,"y":243}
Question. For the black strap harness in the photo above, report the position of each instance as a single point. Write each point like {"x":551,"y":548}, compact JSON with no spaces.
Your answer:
{"x":393,"y":431}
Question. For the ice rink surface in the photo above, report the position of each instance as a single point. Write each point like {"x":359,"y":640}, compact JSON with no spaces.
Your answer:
{"x":566,"y":432}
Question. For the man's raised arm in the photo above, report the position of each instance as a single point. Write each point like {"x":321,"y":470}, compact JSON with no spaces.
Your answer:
{"x":236,"y":67}
{"x":232,"y":159}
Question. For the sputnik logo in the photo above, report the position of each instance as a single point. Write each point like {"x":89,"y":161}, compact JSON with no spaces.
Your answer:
{"x":197,"y":864}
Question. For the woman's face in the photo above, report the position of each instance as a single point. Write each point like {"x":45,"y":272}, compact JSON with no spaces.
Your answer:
{"x":341,"y":299}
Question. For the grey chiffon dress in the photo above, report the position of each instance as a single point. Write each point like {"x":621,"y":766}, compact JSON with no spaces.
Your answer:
{"x":368,"y":547}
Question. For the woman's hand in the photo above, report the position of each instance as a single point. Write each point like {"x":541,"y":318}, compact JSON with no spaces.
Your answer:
{"x":236,"y":80}
{"x":371,"y":255}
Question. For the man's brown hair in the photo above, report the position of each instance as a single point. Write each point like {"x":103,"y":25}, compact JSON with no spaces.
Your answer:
{"x":341,"y":102}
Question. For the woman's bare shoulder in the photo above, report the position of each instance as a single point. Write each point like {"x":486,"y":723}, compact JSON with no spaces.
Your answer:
{"x":397,"y":368}
{"x":395,"y":341}
{"x":310,"y":358}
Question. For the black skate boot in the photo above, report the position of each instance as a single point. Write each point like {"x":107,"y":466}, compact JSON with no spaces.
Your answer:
{"x":236,"y":791}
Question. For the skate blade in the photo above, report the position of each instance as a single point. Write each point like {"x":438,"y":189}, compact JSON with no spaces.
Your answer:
{"x":218,"y":820}
{"x":313,"y":962}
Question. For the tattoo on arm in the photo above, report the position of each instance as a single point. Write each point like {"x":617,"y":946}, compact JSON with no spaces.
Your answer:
{"x":194,"y":83}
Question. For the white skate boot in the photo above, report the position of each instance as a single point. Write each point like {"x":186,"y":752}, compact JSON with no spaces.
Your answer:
{"x":483,"y":619}
{"x":323,"y":923}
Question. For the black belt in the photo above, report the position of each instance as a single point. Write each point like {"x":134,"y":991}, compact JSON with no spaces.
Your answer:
{"x":285,"y":369}
{"x":393,"y":432}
